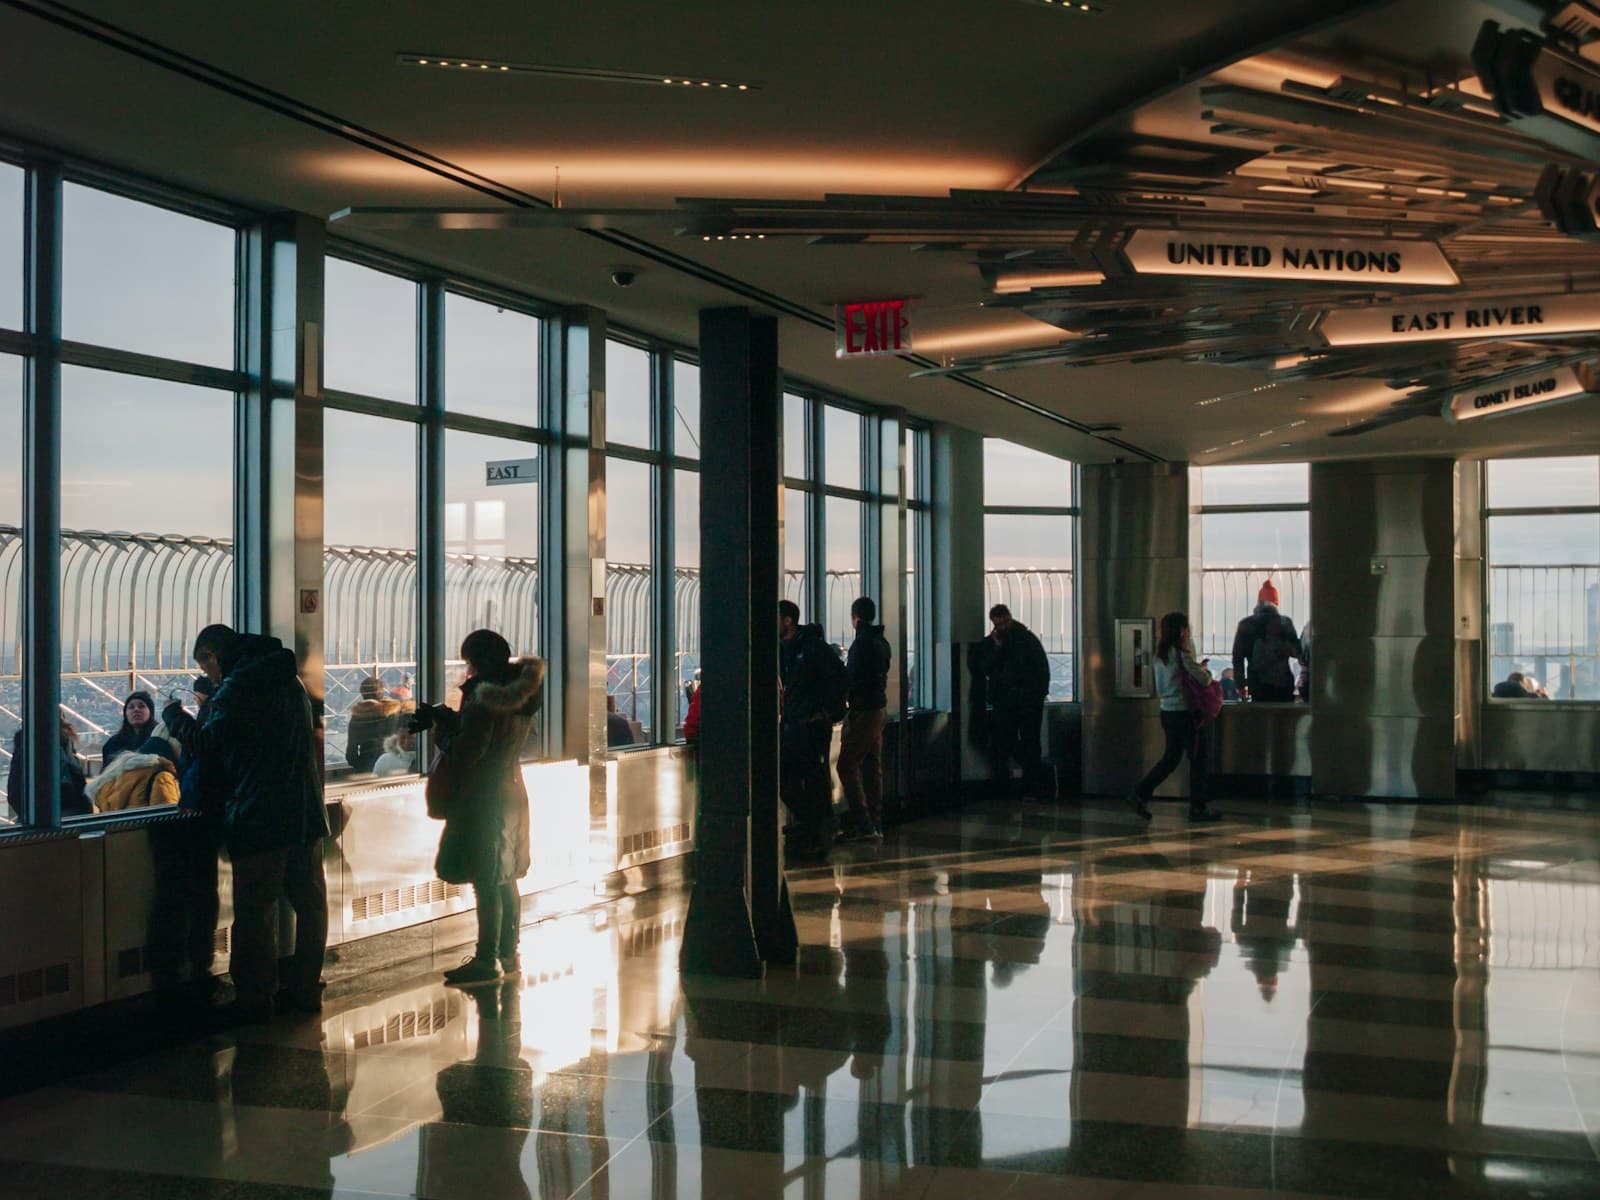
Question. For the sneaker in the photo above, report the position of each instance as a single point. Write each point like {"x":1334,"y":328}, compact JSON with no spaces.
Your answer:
{"x":1204,"y":814}
{"x":473,"y":971}
{"x":511,"y":965}
{"x":1136,"y":802}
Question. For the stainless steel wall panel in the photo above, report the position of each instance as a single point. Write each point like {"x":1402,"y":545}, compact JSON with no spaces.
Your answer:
{"x":1263,"y":739}
{"x":655,"y":805}
{"x":1413,"y":596}
{"x":1384,"y":757}
{"x":130,"y":884}
{"x":1137,"y":511}
{"x":1123,"y":587}
{"x":1469,"y":686}
{"x":1359,"y":513}
{"x":42,"y":892}
{"x":1524,"y":735}
{"x":1384,"y":676}
{"x":1120,"y":746}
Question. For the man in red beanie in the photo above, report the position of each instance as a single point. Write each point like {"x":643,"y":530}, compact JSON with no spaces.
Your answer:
{"x":1263,"y":646}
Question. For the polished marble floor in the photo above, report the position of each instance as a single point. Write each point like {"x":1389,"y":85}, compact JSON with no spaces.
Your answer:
{"x":1357,"y":1001}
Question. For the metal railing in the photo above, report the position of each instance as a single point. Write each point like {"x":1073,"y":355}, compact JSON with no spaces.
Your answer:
{"x":1228,"y":595}
{"x":1544,"y":621}
{"x":1043,"y":599}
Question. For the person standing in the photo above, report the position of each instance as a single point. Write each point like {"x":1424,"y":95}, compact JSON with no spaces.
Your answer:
{"x":861,"y":744}
{"x":138,"y":723}
{"x":258,"y":733}
{"x":476,"y":787}
{"x":1263,"y":645}
{"x":1019,"y":680}
{"x":810,"y":673}
{"x":1174,"y":657}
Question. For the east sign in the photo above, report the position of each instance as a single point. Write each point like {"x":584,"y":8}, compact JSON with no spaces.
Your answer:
{"x":1440,"y":320}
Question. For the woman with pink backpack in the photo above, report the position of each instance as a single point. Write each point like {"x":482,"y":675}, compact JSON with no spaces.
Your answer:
{"x":1190,"y":698}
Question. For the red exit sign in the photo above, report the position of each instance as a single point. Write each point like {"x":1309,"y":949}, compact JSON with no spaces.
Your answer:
{"x":871,"y":328}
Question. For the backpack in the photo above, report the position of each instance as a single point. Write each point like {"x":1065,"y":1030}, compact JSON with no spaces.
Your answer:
{"x":1204,"y":700}
{"x":1271,"y":651}
{"x":833,"y":683}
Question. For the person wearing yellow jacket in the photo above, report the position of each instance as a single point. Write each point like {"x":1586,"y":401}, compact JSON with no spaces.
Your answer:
{"x":143,"y":779}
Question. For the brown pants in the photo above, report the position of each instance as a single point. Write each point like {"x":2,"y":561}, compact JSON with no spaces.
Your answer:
{"x":259,"y":882}
{"x":861,"y":765}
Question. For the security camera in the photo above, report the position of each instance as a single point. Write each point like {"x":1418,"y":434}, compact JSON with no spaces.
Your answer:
{"x":623,"y":276}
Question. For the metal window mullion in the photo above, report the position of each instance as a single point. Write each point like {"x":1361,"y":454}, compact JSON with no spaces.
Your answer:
{"x":430,"y":633}
{"x":663,"y":668}
{"x":41,"y":500}
{"x":816,"y":513}
{"x":252,"y":431}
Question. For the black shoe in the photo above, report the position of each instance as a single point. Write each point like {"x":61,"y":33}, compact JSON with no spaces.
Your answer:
{"x":473,"y":971}
{"x":1203,"y":813}
{"x":1136,"y":802}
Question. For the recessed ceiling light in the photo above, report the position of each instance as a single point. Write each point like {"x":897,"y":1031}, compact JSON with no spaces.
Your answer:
{"x":592,"y":74}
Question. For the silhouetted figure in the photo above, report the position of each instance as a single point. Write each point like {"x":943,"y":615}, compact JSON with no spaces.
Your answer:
{"x":861,"y":744}
{"x":373,"y":720}
{"x":477,"y":788}
{"x":811,"y":674}
{"x":1175,"y":656}
{"x":618,"y":731}
{"x":74,"y":798}
{"x":1018,"y":683}
{"x":1264,"y":644}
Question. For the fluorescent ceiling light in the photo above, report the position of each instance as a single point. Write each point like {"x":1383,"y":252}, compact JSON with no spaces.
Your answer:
{"x":490,"y":66}
{"x":1026,"y":281}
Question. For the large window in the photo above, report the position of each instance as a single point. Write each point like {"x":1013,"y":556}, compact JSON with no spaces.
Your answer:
{"x":919,"y":531}
{"x":1543,"y":532}
{"x":630,"y":583}
{"x":491,"y":361}
{"x":1029,"y":535}
{"x":12,"y":181}
{"x":1254,"y":527}
{"x":684,"y":431}
{"x":10,"y":566}
{"x":370,"y":343}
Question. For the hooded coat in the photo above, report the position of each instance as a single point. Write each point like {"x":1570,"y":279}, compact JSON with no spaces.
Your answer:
{"x":485,"y":839}
{"x":372,"y":720}
{"x":142,"y":778}
{"x":260,"y":737}
{"x":1018,"y":669}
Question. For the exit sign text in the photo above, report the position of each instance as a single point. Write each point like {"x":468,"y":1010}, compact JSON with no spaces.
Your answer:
{"x":871,"y":328}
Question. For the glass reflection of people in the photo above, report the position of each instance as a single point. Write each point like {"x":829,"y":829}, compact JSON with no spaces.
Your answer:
{"x":1175,"y":657}
{"x":1260,"y":925}
{"x":477,"y":789}
{"x":1264,"y":644}
{"x":374,"y":718}
{"x":74,"y":776}
{"x":1230,"y":689}
{"x":618,"y":731}
{"x":494,"y":1089}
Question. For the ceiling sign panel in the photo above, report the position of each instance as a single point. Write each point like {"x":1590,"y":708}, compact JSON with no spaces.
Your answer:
{"x":1306,"y":258}
{"x":1525,"y":390}
{"x":1528,"y":77}
{"x":872,"y":328}
{"x":1441,"y":320}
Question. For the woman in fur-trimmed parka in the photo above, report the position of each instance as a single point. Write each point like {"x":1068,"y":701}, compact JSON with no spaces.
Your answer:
{"x":477,"y":787}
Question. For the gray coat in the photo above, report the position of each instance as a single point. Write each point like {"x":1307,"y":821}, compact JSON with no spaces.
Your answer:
{"x":485,"y":838}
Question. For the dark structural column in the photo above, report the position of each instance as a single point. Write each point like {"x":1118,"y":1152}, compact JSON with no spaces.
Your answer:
{"x":739,"y":912}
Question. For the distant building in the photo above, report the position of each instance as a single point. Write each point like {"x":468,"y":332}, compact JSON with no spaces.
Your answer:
{"x":1503,"y":638}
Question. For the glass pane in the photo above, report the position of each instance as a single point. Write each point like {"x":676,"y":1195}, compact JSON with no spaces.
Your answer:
{"x":1015,"y":475}
{"x":491,"y":361}
{"x":369,"y":587}
{"x":686,"y":409}
{"x":1268,"y":483}
{"x":146,"y":541}
{"x":914,"y":681}
{"x":491,"y":567}
{"x":842,"y":454}
{"x":1028,"y":568}
{"x":137,"y":277}
{"x":794,"y":436}
{"x":686,"y":586}
{"x":1239,"y":553}
{"x":843,"y":575}
{"x":1544,"y":606}
{"x":370,"y":335}
{"x":10,"y":574}
{"x":629,"y":587}
{"x":12,"y":181}
{"x":916,"y":462}
{"x":1535,"y":482}
{"x":628,"y":396}
{"x":795,"y":585}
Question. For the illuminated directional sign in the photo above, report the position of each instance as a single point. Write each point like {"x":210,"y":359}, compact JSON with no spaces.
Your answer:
{"x":1525,"y":390}
{"x":1441,"y":320}
{"x":1302,"y":258}
{"x":872,"y":328}
{"x":1528,"y":77}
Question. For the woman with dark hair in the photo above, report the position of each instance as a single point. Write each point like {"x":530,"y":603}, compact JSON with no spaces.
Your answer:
{"x":74,"y":803}
{"x":476,"y":787}
{"x":138,"y":723}
{"x":1175,"y":657}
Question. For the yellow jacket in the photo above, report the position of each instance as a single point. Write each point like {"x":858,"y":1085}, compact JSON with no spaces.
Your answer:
{"x":135,"y":781}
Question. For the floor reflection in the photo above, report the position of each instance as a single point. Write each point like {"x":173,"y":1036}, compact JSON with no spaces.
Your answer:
{"x":1354,"y":1001}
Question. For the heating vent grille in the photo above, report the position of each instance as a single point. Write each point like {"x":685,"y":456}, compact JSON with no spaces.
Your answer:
{"x":222,"y":940}
{"x":402,"y":899}
{"x":414,"y":1023}
{"x":652,"y":839}
{"x":26,"y":986}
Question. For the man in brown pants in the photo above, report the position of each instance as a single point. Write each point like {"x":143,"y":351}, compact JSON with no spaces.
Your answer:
{"x":861,"y":747}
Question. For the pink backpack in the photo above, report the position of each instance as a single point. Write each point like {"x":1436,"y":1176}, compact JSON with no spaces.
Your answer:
{"x":1204,"y":700}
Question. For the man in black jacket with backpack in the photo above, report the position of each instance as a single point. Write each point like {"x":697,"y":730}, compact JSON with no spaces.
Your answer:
{"x":813,"y":679}
{"x":861,"y":745}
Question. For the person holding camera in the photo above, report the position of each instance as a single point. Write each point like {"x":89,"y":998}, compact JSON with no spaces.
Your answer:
{"x":476,"y":788}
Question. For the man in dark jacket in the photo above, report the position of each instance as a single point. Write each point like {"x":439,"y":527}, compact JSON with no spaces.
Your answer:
{"x":259,"y":732}
{"x":861,"y":745}
{"x":1263,"y":645}
{"x":806,"y":732}
{"x":1019,"y":680}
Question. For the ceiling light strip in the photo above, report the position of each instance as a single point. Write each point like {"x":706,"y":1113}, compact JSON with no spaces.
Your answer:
{"x":491,"y":66}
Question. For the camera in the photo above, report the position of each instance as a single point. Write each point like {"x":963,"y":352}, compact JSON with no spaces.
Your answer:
{"x":623,"y":276}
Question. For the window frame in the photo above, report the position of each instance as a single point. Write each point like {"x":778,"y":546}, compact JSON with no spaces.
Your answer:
{"x":1487,"y":513}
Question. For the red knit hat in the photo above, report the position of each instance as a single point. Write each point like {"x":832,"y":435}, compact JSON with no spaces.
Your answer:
{"x":1268,"y":594}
